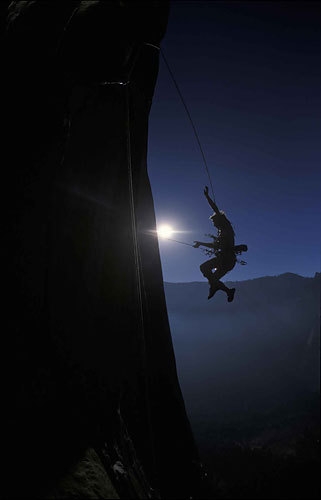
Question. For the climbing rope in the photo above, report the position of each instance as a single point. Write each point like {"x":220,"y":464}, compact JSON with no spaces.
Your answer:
{"x":190,"y":119}
{"x":207,"y":252}
{"x":139,"y":276}
{"x":177,"y":241}
{"x":132,"y":203}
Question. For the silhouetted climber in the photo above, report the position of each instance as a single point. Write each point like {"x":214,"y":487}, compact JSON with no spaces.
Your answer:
{"x":224,"y":249}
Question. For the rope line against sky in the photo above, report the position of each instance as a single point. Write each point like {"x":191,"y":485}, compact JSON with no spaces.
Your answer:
{"x":191,"y":120}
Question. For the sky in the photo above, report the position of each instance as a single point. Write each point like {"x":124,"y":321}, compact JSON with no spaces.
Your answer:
{"x":250,"y":74}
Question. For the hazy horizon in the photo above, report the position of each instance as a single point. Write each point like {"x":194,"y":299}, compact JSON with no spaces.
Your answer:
{"x":247,"y":279}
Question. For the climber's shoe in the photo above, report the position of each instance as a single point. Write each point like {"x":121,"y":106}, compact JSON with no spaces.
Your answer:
{"x":230,"y":295}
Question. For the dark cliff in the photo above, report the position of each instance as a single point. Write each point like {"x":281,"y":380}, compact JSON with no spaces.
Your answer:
{"x":90,"y":392}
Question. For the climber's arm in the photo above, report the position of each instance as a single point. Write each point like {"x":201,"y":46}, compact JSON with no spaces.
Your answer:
{"x":203,"y":244}
{"x":210,"y":201}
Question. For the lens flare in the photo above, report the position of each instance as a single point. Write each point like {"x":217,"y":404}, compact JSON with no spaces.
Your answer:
{"x":165,"y":231}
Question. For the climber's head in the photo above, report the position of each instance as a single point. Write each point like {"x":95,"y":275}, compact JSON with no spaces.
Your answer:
{"x":218,"y":219}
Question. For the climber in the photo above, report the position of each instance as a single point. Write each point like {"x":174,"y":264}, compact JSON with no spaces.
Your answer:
{"x":224,"y":250}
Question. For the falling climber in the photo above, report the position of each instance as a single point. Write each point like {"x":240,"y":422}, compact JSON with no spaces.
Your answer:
{"x":224,"y":249}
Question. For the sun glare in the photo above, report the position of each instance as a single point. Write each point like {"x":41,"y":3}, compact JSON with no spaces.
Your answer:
{"x":165,"y":231}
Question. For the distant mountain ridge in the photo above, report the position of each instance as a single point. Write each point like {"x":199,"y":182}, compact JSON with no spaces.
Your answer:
{"x":287,"y":286}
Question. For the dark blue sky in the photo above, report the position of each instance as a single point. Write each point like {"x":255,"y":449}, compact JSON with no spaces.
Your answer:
{"x":250,"y":75}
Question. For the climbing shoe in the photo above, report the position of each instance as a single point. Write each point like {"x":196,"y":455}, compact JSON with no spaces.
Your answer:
{"x":230,"y":295}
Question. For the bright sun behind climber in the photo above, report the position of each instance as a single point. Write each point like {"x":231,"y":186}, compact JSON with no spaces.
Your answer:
{"x":165,"y":231}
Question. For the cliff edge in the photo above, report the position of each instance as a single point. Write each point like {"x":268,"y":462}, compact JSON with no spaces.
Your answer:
{"x":92,"y":403}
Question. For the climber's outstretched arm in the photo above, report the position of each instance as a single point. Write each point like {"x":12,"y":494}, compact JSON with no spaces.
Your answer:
{"x":210,"y":201}
{"x":201,"y":243}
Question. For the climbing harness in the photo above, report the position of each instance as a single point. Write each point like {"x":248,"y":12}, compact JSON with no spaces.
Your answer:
{"x":209,"y":252}
{"x":237,"y":249}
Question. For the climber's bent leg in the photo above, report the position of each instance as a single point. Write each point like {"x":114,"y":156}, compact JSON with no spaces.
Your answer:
{"x":227,"y":265}
{"x":206,"y":268}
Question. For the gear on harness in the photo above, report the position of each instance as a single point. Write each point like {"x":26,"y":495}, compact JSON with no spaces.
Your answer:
{"x":215,"y":249}
{"x":224,"y":250}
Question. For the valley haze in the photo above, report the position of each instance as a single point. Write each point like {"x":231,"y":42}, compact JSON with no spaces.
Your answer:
{"x":250,"y":376}
{"x":258,"y":353}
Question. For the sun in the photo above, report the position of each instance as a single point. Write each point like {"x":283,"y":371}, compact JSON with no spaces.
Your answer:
{"x":165,"y":231}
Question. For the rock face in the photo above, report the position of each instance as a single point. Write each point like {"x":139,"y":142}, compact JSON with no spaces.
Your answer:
{"x":86,"y":341}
